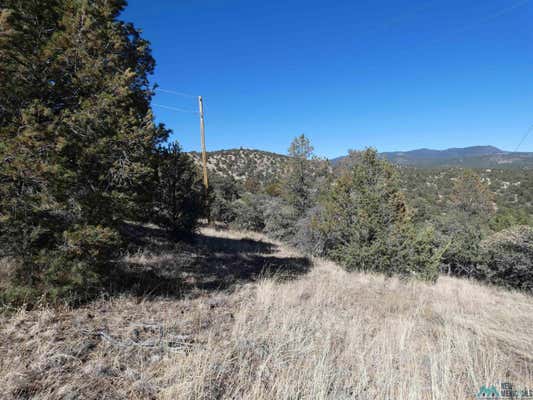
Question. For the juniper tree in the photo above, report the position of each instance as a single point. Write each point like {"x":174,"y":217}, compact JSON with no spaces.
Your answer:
{"x":366,"y":224}
{"x":178,"y":201}
{"x":508,"y":258}
{"x":77,"y":137}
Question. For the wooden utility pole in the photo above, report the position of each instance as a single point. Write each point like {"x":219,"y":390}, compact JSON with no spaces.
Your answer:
{"x":202,"y":135}
{"x":204,"y":156}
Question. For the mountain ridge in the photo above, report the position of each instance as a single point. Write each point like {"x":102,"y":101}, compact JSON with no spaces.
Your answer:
{"x":472,"y":156}
{"x":483,"y":156}
{"x":266,"y":167}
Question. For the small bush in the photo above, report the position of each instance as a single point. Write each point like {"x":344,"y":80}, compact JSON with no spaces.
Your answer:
{"x":280,"y":218}
{"x":223,"y":192}
{"x":509,"y":258}
{"x":306,"y":236}
{"x":248,"y":213}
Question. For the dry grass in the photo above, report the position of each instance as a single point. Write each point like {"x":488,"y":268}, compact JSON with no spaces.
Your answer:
{"x":327,"y":335}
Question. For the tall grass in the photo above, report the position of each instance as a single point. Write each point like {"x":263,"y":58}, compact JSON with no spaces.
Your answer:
{"x":337,"y":335}
{"x":328,"y":334}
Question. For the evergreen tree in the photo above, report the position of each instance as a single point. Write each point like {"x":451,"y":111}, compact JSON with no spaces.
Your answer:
{"x":300,"y":179}
{"x":367,"y":225}
{"x":178,"y":201}
{"x":465,"y":223}
{"x":77,"y":138}
{"x":508,"y":258}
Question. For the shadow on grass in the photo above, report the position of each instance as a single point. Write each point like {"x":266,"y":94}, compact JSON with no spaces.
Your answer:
{"x":199,"y":265}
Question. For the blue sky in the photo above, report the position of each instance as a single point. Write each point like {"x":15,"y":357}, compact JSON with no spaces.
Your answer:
{"x":396,"y":75}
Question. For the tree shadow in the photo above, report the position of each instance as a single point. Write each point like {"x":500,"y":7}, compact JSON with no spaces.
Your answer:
{"x":232,"y":246}
{"x":197,"y":266}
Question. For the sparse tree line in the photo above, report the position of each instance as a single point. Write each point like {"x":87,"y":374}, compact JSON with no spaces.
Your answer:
{"x":81,"y":160}
{"x":359,"y":215}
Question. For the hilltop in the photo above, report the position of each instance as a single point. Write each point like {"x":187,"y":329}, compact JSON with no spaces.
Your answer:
{"x":243,"y":164}
{"x":261,"y":166}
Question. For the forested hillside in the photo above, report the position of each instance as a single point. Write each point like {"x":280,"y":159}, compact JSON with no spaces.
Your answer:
{"x":511,"y":188}
{"x":246,"y":164}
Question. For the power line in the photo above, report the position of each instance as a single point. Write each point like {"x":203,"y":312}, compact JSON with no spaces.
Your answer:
{"x":524,"y":137}
{"x":175,"y":108}
{"x":490,"y":17}
{"x":175,"y":93}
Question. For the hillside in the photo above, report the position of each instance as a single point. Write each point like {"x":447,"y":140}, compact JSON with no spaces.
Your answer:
{"x":265,"y":322}
{"x":264,"y":166}
{"x":512,"y":189}
{"x":425,"y":173}
{"x":242,"y":164}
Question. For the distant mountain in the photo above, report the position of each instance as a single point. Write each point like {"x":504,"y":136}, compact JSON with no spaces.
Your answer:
{"x":470,"y":157}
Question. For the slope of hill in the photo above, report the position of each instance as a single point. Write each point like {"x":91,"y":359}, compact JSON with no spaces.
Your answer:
{"x":473,"y":157}
{"x":242,"y":164}
{"x":296,"y":331}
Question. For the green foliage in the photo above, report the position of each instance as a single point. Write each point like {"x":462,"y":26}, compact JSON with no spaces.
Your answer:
{"x":179,"y":192}
{"x":300,"y":178}
{"x":466,"y":222}
{"x":78,"y":144}
{"x":224,"y":191}
{"x":509,"y":201}
{"x":471,"y":196}
{"x":508,"y":258}
{"x":461,"y":241}
{"x":71,"y":272}
{"x":367,"y":224}
{"x":280,"y":219}
{"x":506,"y":217}
{"x":74,"y":271}
{"x":306,"y":236}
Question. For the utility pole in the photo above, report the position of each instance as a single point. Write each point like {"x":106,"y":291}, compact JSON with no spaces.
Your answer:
{"x":204,"y":153}
{"x":202,"y":135}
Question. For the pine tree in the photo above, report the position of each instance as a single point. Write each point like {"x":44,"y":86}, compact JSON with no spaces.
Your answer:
{"x":77,"y":138}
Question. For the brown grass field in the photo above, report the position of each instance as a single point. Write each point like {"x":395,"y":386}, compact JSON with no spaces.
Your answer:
{"x":252,"y":319}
